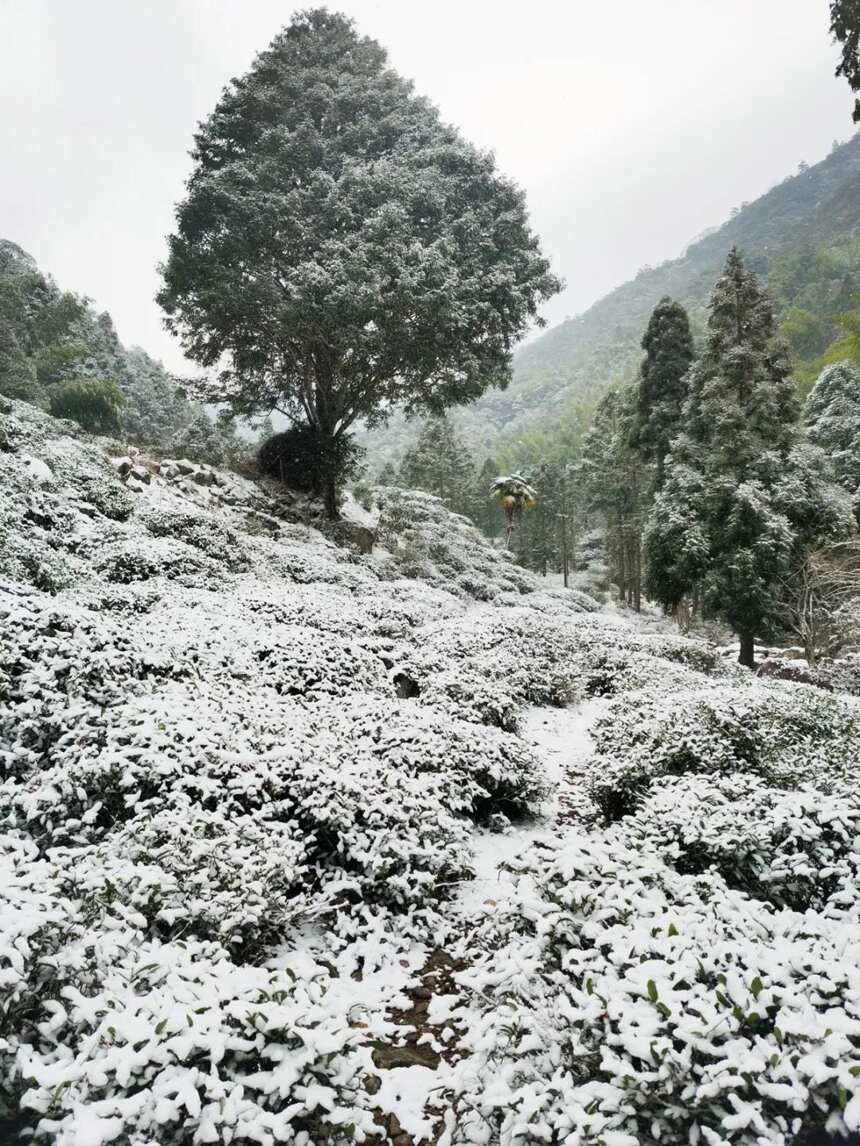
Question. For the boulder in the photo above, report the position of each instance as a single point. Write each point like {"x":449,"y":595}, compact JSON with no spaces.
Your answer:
{"x":185,"y":467}
{"x":37,"y":470}
{"x":141,"y":474}
{"x":359,"y":537}
{"x":122,"y":465}
{"x":203,"y":477}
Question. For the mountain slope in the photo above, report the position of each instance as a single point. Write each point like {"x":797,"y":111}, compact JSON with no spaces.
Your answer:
{"x":819,"y":208}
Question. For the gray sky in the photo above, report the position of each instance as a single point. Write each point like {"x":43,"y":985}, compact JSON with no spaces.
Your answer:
{"x":632,"y":125}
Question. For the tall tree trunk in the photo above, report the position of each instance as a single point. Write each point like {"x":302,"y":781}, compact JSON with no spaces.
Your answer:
{"x":638,"y":594}
{"x":330,"y":494}
{"x":747,"y":653}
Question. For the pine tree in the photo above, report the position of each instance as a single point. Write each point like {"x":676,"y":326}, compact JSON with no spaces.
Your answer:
{"x":441,"y":463}
{"x":662,"y":390}
{"x":342,"y":251}
{"x":742,"y":495}
{"x":387,"y":475}
{"x":832,"y":417}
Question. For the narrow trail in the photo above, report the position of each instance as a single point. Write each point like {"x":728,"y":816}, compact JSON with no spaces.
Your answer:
{"x":561,"y":739}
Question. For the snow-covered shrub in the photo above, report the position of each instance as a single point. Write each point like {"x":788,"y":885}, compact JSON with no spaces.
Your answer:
{"x":621,"y":1003}
{"x":426,"y":540}
{"x":793,"y":848}
{"x":140,"y":1041}
{"x":125,"y":560}
{"x":786,"y":734}
{"x":184,"y":870}
{"x":202,"y":531}
{"x":223,"y":641}
{"x":841,"y":674}
{"x":537,"y":658}
{"x":378,"y":789}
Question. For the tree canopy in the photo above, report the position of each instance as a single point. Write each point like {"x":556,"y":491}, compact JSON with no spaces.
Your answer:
{"x":845,"y":26}
{"x":341,"y":250}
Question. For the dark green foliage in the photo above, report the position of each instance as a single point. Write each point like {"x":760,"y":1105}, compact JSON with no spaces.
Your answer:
{"x":93,"y":403}
{"x":845,"y":26}
{"x":50,"y":339}
{"x":742,"y":497}
{"x":38,"y":346}
{"x":298,"y":458}
{"x":668,"y":346}
{"x":484,"y":512}
{"x":440,"y":463}
{"x":337,"y":242}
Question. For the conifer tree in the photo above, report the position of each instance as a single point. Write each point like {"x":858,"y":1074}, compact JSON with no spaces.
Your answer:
{"x":482,"y":511}
{"x":440,"y":462}
{"x":387,"y":475}
{"x":662,"y":389}
{"x":832,"y":417}
{"x":742,"y":494}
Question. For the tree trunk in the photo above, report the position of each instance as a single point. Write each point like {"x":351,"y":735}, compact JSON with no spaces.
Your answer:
{"x":638,"y":592}
{"x":330,"y":495}
{"x":747,"y":653}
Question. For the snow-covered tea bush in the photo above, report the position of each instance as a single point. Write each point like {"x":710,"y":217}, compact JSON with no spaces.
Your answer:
{"x":535,"y":658}
{"x":241,"y":894}
{"x":786,"y":734}
{"x":186,"y":871}
{"x":621,"y":1002}
{"x":798,"y":849}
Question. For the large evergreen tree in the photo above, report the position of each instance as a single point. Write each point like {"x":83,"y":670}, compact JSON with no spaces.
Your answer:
{"x":482,"y":511}
{"x":341,"y":250}
{"x":662,"y":389}
{"x":742,"y":494}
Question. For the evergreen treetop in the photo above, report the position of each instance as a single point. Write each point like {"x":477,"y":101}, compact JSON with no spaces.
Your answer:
{"x":668,"y":346}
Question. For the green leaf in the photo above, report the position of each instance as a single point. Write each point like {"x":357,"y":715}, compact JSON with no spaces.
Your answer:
{"x":652,"y":991}
{"x":756,"y":987}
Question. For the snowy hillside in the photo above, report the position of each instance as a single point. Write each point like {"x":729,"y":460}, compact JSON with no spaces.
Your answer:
{"x":310,"y":845}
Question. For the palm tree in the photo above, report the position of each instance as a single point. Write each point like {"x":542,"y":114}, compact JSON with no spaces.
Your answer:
{"x":515,"y":496}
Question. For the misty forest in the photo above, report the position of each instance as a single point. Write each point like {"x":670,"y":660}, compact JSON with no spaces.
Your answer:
{"x":418,"y":727}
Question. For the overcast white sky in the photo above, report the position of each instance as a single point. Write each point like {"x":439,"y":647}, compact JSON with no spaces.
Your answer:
{"x":633,"y":125}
